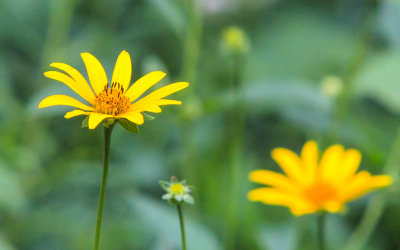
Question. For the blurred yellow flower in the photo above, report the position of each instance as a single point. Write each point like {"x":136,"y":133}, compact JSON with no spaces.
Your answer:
{"x":313,"y":185}
{"x":116,"y":100}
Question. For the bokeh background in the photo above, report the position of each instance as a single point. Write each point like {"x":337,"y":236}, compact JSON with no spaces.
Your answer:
{"x":287,"y":71}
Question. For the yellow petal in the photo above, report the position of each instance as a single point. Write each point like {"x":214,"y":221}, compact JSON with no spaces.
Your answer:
{"x":134,"y":117}
{"x":143,"y":84}
{"x":78,"y":78}
{"x":168,"y":102}
{"x":63,"y":100}
{"x":159,"y":102}
{"x":271,"y":196}
{"x":363,"y":183}
{"x":302,"y":210}
{"x":71,"y":83}
{"x":75,"y":112}
{"x":96,"y":118}
{"x":331,"y":162}
{"x":123,"y":70}
{"x":309,"y":156}
{"x":274,"y":196}
{"x":290,"y":164}
{"x":152,"y":106}
{"x":381,"y":180}
{"x":272,"y":179}
{"x":349,"y":166}
{"x":96,"y":73}
{"x":333,"y":206}
{"x":162,"y":92}
{"x":149,"y":108}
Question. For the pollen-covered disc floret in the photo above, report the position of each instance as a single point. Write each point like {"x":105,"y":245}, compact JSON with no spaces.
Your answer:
{"x":177,"y":191}
{"x":313,"y":183}
{"x":112,"y":101}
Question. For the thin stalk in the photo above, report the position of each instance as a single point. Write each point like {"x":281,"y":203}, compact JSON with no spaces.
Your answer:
{"x":321,"y":230}
{"x":107,"y":143}
{"x":191,"y":42}
{"x":60,"y":19}
{"x":364,"y":40}
{"x":375,"y":208}
{"x":182,"y":226}
{"x":237,"y":119}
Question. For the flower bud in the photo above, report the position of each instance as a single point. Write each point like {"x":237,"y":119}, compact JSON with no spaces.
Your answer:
{"x":235,"y":40}
{"x":331,"y":85}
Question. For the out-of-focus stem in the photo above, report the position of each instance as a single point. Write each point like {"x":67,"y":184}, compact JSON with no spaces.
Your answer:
{"x":59,"y":24}
{"x":363,"y":40}
{"x":321,"y":230}
{"x":375,"y":208}
{"x":236,"y":150}
{"x":192,"y":42}
{"x":191,"y":52}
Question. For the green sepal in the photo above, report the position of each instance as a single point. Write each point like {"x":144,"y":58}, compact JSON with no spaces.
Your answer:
{"x":108,"y":122}
{"x":164,"y":185}
{"x":85,"y":122}
{"x":129,"y":126}
{"x":148,"y":117}
{"x":175,"y":202}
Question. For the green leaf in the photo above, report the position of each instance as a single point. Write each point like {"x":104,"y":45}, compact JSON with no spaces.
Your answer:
{"x":130,"y":126}
{"x":171,"y":13}
{"x":388,"y":20}
{"x":379,"y":79}
{"x":85,"y":122}
{"x":108,"y":122}
{"x":281,"y":236}
{"x":148,"y":117}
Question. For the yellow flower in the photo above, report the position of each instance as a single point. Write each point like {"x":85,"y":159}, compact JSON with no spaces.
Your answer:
{"x":116,"y":100}
{"x":313,"y":185}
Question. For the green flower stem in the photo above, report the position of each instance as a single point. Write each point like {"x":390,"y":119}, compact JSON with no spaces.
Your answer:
{"x":107,"y":142}
{"x":321,"y":230}
{"x":179,"y":206}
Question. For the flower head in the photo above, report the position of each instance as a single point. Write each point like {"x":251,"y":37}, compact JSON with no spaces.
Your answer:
{"x":110,"y":100}
{"x":311,"y":184}
{"x":177,"y":191}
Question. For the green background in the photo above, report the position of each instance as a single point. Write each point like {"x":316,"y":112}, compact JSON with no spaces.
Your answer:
{"x":237,"y":108}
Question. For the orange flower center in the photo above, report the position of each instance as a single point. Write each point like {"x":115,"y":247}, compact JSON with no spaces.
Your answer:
{"x":320,"y":193}
{"x":112,"y":101}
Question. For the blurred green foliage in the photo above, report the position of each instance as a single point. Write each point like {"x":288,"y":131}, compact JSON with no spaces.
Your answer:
{"x":50,"y":168}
